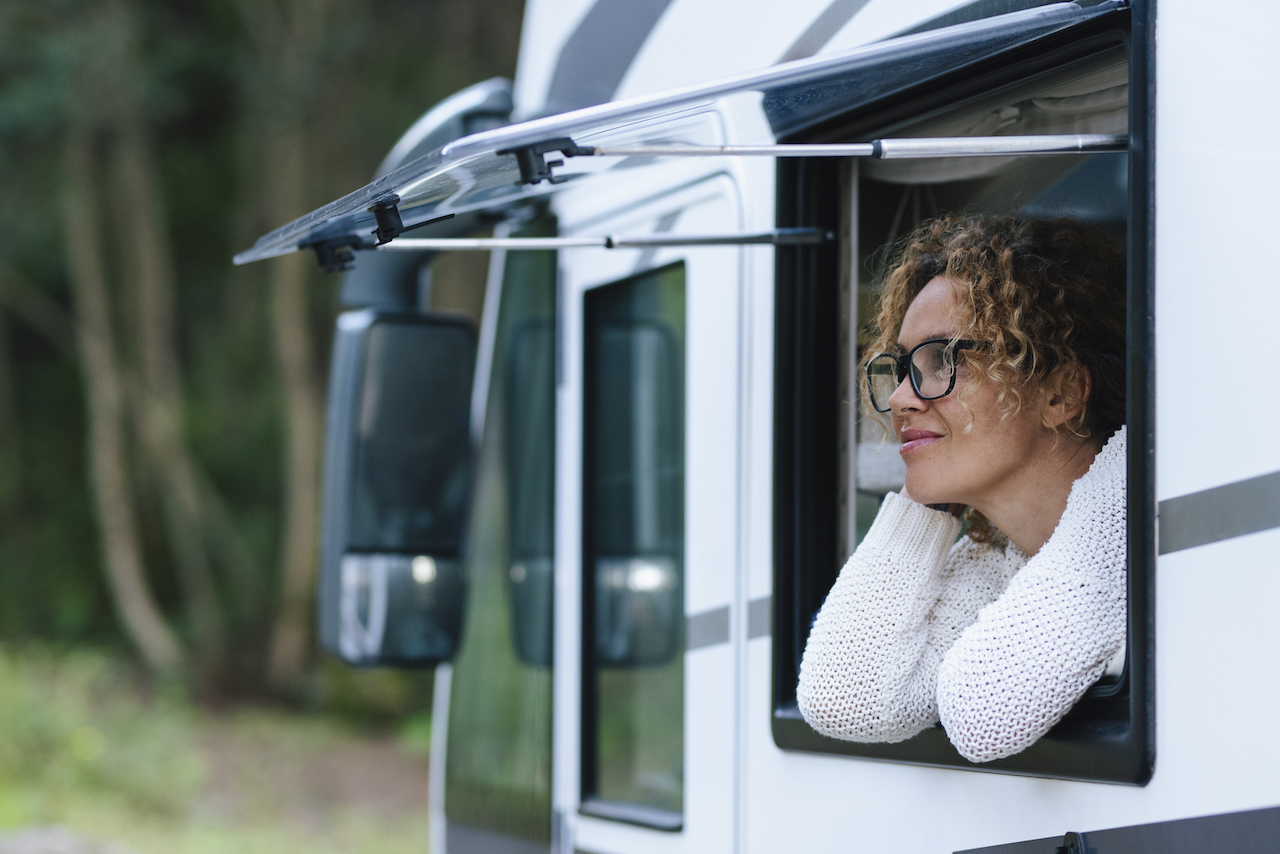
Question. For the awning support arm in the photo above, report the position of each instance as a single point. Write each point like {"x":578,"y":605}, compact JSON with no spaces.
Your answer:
{"x":777,"y":237}
{"x":533,"y":168}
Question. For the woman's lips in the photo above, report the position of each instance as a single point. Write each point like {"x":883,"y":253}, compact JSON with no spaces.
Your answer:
{"x":913,"y":440}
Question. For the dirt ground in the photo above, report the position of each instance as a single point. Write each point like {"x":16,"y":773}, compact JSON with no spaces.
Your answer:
{"x":264,"y":770}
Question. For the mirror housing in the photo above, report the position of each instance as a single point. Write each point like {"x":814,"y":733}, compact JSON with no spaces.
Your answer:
{"x":397,"y":487}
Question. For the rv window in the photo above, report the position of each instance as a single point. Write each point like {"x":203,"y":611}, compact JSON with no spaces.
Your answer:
{"x":834,"y":463}
{"x":633,"y":554}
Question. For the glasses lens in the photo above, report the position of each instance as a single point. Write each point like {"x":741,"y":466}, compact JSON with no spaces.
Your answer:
{"x":932,"y":367}
{"x":882,"y":380}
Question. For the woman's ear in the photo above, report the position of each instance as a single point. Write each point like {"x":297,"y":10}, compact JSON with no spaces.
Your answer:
{"x":1065,"y":394}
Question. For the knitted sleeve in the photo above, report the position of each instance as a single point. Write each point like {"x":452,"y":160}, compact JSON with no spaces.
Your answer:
{"x":869,"y":669}
{"x":1032,"y":653}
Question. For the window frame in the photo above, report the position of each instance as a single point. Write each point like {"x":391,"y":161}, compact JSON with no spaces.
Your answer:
{"x":1109,"y":736}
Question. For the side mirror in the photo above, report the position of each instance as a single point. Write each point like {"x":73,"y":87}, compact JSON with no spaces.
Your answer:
{"x":397,"y":487}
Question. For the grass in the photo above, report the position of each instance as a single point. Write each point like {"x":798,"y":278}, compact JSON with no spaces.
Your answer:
{"x":87,"y":745}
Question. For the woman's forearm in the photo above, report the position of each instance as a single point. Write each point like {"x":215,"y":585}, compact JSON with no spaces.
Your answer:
{"x":870,"y":666}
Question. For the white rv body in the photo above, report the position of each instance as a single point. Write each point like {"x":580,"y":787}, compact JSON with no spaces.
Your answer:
{"x":1214,"y":633}
{"x":1217,"y":675}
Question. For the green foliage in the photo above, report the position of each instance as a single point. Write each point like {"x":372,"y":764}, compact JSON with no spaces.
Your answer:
{"x":415,"y":735}
{"x":87,"y":744}
{"x":370,"y":698}
{"x":207,"y":93}
{"x":79,"y":725}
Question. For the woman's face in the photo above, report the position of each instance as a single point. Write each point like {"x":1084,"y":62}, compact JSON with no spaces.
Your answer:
{"x":956,"y":454}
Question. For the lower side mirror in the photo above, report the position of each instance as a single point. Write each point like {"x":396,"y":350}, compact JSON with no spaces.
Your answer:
{"x":397,"y":609}
{"x":398,"y":470}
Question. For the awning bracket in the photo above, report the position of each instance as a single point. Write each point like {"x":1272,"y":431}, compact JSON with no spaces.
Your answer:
{"x":334,"y":254}
{"x":532,"y":162}
{"x":387,"y":214}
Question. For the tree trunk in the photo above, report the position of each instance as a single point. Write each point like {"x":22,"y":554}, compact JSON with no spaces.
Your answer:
{"x":160,"y":419}
{"x":104,"y":398}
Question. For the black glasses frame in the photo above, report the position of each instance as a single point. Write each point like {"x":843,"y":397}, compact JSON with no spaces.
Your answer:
{"x":902,"y":369}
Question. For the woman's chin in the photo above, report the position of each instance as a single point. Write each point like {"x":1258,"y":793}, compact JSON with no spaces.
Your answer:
{"x":923,"y":492}
{"x":919,"y":492}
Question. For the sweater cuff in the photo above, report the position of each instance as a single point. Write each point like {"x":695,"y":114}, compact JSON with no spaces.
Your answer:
{"x":911,"y":530}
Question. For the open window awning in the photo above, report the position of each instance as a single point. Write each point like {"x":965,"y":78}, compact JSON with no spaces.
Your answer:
{"x":502,"y":167}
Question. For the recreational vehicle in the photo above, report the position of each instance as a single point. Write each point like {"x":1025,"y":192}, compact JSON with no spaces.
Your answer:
{"x":596,"y":448}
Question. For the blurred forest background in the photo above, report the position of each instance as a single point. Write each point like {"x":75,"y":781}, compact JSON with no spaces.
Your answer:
{"x":161,"y":411}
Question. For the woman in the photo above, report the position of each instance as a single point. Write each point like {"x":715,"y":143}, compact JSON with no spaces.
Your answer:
{"x":1001,"y":368}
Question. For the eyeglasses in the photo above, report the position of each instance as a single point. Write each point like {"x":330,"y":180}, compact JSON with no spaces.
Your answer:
{"x":930,"y":364}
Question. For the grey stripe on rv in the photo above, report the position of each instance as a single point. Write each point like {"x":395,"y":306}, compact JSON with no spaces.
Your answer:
{"x":596,"y":56}
{"x":760,"y":618}
{"x":706,"y":629}
{"x":712,"y":627}
{"x":1232,"y":510}
{"x":823,"y":29}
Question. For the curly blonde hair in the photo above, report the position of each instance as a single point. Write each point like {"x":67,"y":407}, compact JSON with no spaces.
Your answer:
{"x":1045,"y":297}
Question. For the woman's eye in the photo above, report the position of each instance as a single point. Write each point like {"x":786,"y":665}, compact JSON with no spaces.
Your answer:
{"x":931,"y":361}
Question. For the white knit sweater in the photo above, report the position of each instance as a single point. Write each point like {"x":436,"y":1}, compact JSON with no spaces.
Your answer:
{"x":999,"y":647}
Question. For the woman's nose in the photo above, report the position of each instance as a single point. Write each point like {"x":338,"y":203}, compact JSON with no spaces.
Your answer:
{"x":904,"y":398}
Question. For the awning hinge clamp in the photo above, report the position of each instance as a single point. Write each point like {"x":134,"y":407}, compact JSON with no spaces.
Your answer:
{"x":535,"y":168}
{"x":387,"y":214}
{"x":336,"y":253}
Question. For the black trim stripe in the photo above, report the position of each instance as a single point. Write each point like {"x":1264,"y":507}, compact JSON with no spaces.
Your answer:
{"x":1252,"y":832}
{"x":1220,"y":513}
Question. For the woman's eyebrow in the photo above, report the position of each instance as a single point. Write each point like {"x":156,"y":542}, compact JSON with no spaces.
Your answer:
{"x":935,"y":336}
